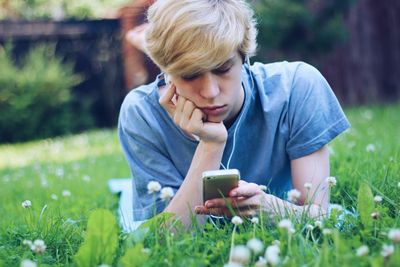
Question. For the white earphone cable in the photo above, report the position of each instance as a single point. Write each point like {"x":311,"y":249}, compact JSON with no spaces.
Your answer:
{"x":247,"y":60}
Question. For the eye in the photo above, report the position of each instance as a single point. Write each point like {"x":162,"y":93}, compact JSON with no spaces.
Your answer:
{"x":190,"y":77}
{"x":222,"y":70}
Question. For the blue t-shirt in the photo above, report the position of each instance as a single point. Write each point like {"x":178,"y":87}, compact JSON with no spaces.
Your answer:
{"x":289,"y":112}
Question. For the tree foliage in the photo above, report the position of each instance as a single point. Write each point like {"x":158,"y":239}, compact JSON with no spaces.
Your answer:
{"x":300,"y":27}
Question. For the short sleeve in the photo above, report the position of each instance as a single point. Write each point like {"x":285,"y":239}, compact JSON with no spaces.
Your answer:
{"x":314,"y":113}
{"x":146,"y":160}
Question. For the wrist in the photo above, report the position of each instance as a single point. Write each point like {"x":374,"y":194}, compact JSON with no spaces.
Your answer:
{"x":212,"y":146}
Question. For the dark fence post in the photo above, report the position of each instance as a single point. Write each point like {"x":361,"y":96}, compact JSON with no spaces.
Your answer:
{"x":367,"y":67}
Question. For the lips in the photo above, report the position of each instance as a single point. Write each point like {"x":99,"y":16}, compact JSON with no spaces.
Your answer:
{"x":214,"y":110}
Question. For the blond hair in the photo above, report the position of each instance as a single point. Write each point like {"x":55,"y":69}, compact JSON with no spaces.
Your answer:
{"x":191,"y":36}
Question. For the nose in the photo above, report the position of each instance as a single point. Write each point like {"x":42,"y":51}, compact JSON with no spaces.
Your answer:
{"x":209,"y":87}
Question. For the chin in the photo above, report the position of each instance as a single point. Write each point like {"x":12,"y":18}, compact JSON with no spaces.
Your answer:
{"x":214,"y":119}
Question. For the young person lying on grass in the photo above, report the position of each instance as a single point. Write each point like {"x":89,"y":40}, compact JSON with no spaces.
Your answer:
{"x":210,"y":109}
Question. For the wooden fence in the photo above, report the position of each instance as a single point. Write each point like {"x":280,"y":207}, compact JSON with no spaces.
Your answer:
{"x":367,"y":67}
{"x":94,"y":47}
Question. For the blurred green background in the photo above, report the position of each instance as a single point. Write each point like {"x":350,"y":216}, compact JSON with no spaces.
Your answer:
{"x":66,"y":66}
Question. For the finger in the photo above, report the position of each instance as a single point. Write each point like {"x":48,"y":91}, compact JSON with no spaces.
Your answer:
{"x":243,"y":212}
{"x":186,"y":114}
{"x":195,"y":123}
{"x":233,"y":203}
{"x":179,"y":109}
{"x":166,"y":99}
{"x":242,"y":182}
{"x":214,"y":211}
{"x":246,"y":190}
{"x":198,"y":116}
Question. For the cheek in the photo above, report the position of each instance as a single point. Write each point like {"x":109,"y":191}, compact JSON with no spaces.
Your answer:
{"x":185,"y":92}
{"x":180,"y":91}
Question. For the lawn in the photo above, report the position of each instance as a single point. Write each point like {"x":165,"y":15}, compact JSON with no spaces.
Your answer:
{"x":65,"y":179}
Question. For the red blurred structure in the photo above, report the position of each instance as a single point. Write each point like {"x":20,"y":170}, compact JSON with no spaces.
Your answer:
{"x":138,"y":69}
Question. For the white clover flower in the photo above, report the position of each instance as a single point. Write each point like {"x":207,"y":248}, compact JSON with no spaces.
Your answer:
{"x":370,"y":148}
{"x":367,"y":114}
{"x":308,"y":186}
{"x":336,"y":207}
{"x":362,"y":251}
{"x":387,"y":250}
{"x":38,"y":246}
{"x":398,"y":184}
{"x":6,"y":178}
{"x":54,"y":197}
{"x":236,"y":220}
{"x":375,"y":215}
{"x":28,"y":263}
{"x":241,"y":254}
{"x":394,"y":235}
{"x":76,"y":166}
{"x":327,"y":231}
{"x":318,"y":224}
{"x":286,"y":225}
{"x":66,"y":193}
{"x":86,"y":178}
{"x":146,"y":250}
{"x":60,"y":172}
{"x":232,"y":264}
{"x":272,"y":255}
{"x":103,"y":265}
{"x":377,"y":199}
{"x":293,"y":195}
{"x":26,"y":204}
{"x":255,"y":220}
{"x":276,"y":243}
{"x":166,"y":193}
{"x":27,"y":242}
{"x":331,"y":181}
{"x":309,"y":227}
{"x":153,"y":187}
{"x":44,"y":182}
{"x":351,"y":145}
{"x":331,"y":151}
{"x":263,"y":187}
{"x":262,"y":262}
{"x":256,"y":245}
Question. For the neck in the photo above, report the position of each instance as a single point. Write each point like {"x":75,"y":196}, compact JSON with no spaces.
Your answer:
{"x":228,"y":122}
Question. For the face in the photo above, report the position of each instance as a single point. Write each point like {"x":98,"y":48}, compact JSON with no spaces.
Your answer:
{"x":217,"y":93}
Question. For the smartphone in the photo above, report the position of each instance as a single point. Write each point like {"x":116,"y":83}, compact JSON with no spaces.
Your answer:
{"x":218,"y":183}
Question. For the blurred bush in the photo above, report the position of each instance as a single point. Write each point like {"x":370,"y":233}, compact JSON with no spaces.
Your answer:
{"x":35,"y":96}
{"x":300,"y":29}
{"x":59,"y":9}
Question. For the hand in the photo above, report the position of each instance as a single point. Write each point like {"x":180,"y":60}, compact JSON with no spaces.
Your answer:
{"x":136,"y":37}
{"x":245,"y":200}
{"x":190,"y":118}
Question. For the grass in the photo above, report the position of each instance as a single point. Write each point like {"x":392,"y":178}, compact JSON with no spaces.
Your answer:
{"x":44,"y":172}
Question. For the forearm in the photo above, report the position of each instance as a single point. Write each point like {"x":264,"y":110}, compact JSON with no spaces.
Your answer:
{"x":207,"y":157}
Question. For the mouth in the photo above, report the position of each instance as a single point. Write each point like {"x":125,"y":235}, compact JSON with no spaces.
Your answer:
{"x":214,"y":110}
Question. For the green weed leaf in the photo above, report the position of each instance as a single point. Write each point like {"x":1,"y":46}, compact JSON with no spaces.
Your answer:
{"x":365,"y":205}
{"x":134,"y":256}
{"x":101,"y":240}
